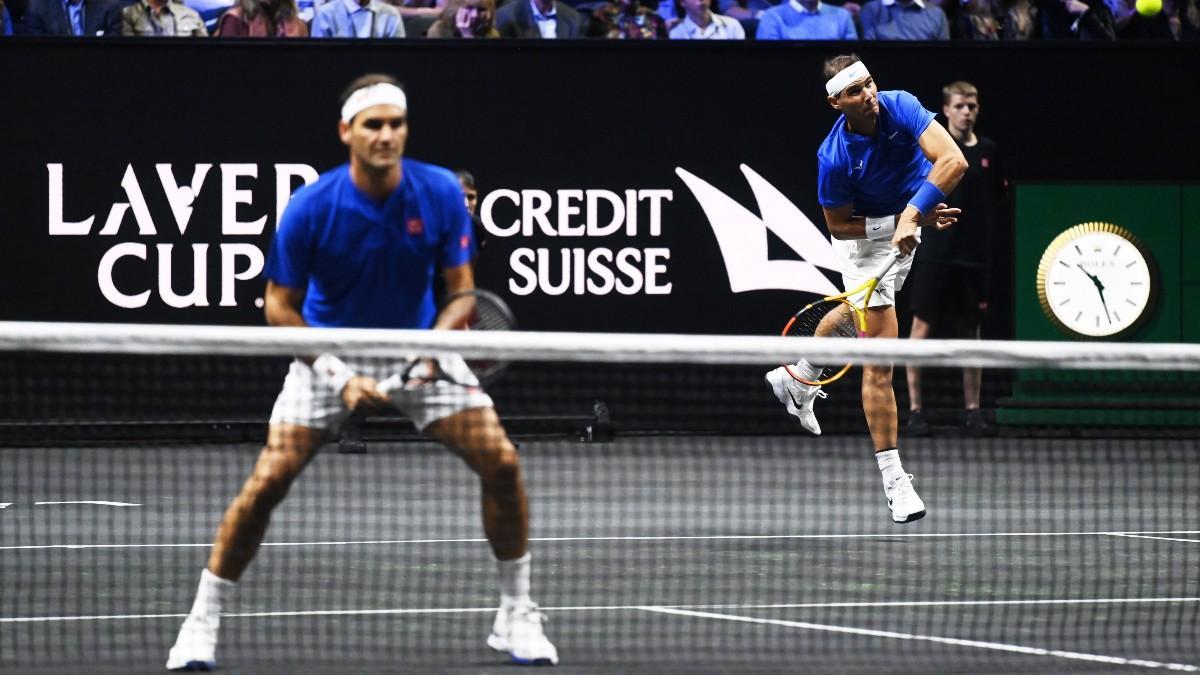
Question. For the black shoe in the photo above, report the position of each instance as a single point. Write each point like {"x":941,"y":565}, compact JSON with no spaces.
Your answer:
{"x":917,"y":426}
{"x":975,"y":425}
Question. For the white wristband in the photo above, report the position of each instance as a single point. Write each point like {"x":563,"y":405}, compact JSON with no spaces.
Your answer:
{"x":332,"y":372}
{"x":881,"y":228}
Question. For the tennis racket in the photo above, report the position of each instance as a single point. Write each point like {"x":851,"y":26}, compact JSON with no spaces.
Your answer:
{"x":840,"y":315}
{"x":490,"y":313}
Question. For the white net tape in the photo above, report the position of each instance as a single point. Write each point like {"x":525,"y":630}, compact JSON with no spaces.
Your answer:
{"x":593,"y":347}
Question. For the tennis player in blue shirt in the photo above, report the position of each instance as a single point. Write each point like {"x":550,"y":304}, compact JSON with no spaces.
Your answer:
{"x":884,"y":170}
{"x":358,"y":248}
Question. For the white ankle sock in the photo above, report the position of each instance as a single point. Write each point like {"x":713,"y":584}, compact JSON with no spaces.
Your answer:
{"x":212,"y":595}
{"x":807,"y":370}
{"x":889,"y":465}
{"x":514,"y":580}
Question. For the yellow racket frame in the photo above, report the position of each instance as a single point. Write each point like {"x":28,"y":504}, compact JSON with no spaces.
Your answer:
{"x":859,"y":314}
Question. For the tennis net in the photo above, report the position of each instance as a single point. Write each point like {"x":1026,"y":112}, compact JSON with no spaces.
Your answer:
{"x":680,"y":517}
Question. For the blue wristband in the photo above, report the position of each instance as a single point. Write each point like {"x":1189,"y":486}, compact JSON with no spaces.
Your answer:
{"x":927,"y":198}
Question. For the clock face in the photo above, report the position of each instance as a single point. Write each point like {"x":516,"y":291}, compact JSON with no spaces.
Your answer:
{"x":1096,"y":280}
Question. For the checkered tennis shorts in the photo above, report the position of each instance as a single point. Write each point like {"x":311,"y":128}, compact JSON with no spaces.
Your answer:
{"x":306,"y":402}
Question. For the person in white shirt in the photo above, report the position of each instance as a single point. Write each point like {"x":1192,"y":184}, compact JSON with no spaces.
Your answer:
{"x":700,"y":23}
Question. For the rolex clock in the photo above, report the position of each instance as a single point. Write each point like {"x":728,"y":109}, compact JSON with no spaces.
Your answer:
{"x":1096,"y":280}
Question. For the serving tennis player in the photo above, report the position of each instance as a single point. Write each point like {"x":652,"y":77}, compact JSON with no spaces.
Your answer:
{"x":884,"y":170}
{"x":358,"y":248}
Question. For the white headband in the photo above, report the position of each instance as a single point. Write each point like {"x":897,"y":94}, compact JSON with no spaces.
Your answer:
{"x":847,"y":76}
{"x":375,"y":94}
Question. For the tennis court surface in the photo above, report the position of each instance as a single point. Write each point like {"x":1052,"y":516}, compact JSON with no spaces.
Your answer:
{"x":653,"y":552}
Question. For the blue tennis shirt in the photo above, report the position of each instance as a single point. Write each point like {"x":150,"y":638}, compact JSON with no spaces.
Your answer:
{"x":366,"y":264}
{"x":878,"y":174}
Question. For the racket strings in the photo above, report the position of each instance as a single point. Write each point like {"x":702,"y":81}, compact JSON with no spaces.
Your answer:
{"x":489,"y":317}
{"x":490,"y":314}
{"x":827,"y":318}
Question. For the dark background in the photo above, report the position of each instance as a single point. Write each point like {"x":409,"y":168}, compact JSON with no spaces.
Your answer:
{"x":536,"y":115}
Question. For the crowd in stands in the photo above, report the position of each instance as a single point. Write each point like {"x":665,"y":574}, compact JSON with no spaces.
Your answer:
{"x":612,"y":19}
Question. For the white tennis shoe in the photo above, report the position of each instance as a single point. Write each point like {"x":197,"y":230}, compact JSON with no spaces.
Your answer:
{"x":797,"y":397}
{"x":517,"y":631}
{"x":196,"y":646}
{"x":903,"y":500}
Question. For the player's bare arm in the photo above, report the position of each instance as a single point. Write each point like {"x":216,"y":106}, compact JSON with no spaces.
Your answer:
{"x":949,"y":165}
{"x":843,"y":224}
{"x":282,"y":307}
{"x":456,"y":314}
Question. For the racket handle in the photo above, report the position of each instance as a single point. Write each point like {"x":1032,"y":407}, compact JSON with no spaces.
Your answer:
{"x":893,"y":256}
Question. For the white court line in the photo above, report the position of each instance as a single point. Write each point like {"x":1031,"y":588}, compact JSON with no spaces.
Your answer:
{"x":1142,"y":536}
{"x":86,"y":501}
{"x":723,"y":537}
{"x":997,"y":646}
{"x":605,"y":608}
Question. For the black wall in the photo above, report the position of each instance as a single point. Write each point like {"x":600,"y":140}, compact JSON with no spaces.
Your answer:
{"x":528,"y":115}
{"x":586,"y":115}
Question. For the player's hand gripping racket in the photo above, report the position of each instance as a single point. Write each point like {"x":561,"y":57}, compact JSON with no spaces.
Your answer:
{"x":490,"y":313}
{"x":841,"y":315}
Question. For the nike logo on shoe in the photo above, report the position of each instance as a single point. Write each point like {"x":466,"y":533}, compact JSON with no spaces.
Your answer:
{"x":798,"y":404}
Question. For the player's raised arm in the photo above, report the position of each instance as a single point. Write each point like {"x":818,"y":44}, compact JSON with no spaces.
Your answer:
{"x":949,"y":165}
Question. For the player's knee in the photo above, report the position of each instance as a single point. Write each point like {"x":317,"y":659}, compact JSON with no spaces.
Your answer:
{"x":877,"y":376}
{"x":272,"y":480}
{"x":503,"y":470}
{"x":268,"y":490}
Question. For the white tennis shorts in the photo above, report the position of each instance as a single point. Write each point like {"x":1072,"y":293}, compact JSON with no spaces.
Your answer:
{"x":859,"y":258}
{"x":306,"y":402}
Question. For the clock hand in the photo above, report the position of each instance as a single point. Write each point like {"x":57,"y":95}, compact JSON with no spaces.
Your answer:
{"x":1093,"y":277}
{"x":1099,"y":289}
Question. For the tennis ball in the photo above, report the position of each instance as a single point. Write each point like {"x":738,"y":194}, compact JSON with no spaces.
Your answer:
{"x":1148,"y":7}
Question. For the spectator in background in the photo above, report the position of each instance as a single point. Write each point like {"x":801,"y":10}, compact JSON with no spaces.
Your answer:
{"x":1020,"y":21}
{"x":1178,"y":20}
{"x":903,"y":20}
{"x":421,"y":9}
{"x":1077,"y":20}
{"x":626,"y":20}
{"x":949,"y":288}
{"x":466,"y":180}
{"x":744,"y":9}
{"x":466,"y":19}
{"x":547,"y":19}
{"x":699,"y":23}
{"x":978,"y":20}
{"x":261,"y":18}
{"x":357,"y":19}
{"x":5,"y":20}
{"x":1123,"y":11}
{"x":806,"y":20}
{"x":162,"y":18}
{"x":1188,"y":13}
{"x":80,"y":17}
